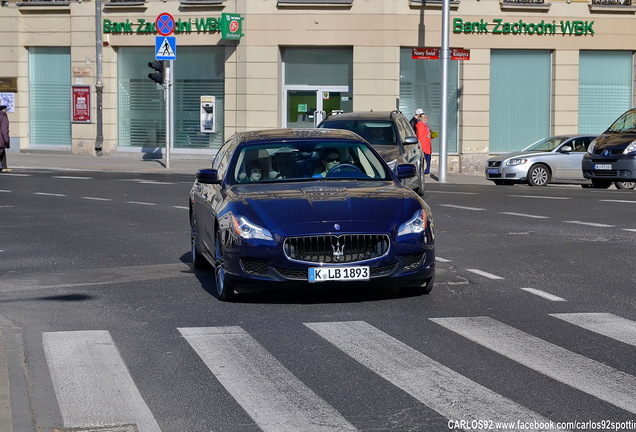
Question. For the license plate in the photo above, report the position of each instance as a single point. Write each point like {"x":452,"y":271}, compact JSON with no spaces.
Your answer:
{"x":602,"y":166}
{"x":493,"y":170}
{"x":322,"y":274}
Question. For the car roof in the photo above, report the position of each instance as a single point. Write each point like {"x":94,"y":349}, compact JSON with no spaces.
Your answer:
{"x":363,"y":115}
{"x":308,"y":134}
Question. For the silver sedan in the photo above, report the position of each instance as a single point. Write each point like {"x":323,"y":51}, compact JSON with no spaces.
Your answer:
{"x":555,"y":159}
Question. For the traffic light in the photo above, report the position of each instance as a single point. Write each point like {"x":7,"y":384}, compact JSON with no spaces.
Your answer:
{"x":160,"y":71}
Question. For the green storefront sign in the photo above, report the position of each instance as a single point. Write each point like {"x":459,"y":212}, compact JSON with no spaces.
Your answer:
{"x":229,"y":25}
{"x":499,"y":26}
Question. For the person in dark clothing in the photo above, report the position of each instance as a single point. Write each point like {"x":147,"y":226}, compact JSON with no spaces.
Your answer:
{"x":4,"y":138}
{"x":416,"y":117}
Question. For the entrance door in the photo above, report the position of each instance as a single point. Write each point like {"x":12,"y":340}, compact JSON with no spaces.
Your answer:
{"x":306,"y":107}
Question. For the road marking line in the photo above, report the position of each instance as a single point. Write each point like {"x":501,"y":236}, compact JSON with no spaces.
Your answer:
{"x":540,"y":197}
{"x":606,"y":324}
{"x":597,"y":379}
{"x":182,"y":207}
{"x":91,"y":381}
{"x":273,"y":397}
{"x":483,"y":273}
{"x":619,"y":201}
{"x":73,"y":177}
{"x":155,"y":182}
{"x":141,"y":203}
{"x":544,"y":294}
{"x":449,"y":393}
{"x":440,"y":259}
{"x":629,"y":229}
{"x":600,"y":225}
{"x":49,"y":194}
{"x":453,"y":193}
{"x":4,"y":190}
{"x":525,"y":215}
{"x":460,"y":207}
{"x":97,"y":199}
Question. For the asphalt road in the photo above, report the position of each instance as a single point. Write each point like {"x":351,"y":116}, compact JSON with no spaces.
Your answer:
{"x":532,"y":319}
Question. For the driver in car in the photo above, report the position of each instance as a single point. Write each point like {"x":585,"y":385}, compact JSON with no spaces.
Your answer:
{"x":330,"y":158}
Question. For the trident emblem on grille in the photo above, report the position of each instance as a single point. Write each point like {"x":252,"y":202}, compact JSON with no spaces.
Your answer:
{"x":338,"y":250}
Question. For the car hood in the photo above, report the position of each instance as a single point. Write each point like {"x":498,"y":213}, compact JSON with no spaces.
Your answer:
{"x":615,"y":141}
{"x":309,"y":207}
{"x":525,"y":154}
{"x":389,"y":153}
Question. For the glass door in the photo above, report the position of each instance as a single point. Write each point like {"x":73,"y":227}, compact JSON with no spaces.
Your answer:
{"x":306,"y":107}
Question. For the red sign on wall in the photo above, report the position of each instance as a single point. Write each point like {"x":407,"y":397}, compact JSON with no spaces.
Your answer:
{"x":81,"y":104}
{"x":432,"y":53}
{"x":425,"y":53}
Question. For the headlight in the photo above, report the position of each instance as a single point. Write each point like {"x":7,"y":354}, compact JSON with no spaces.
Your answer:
{"x":513,"y":162}
{"x":590,"y":148}
{"x":247,"y":230}
{"x":415,"y":225}
{"x":630,"y":148}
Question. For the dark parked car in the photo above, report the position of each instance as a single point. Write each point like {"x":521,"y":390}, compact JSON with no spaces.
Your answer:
{"x":264,"y":216}
{"x":611,"y":157}
{"x":390,"y":133}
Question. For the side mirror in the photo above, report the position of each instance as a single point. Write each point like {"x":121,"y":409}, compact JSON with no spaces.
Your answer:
{"x":405,"y":171}
{"x":565,"y":149}
{"x":411,"y":140}
{"x":208,"y":176}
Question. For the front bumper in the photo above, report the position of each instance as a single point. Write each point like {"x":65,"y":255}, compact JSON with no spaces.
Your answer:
{"x":611,"y":168}
{"x":515,"y":173}
{"x":249,"y":270}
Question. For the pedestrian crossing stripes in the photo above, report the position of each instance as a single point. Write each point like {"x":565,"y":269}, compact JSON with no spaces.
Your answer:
{"x":95,"y":389}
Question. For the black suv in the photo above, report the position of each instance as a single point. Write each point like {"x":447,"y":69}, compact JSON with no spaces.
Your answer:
{"x":611,"y":157}
{"x":390,"y":133}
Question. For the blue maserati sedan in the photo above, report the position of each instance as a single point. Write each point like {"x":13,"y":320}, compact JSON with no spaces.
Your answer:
{"x":293,"y":207}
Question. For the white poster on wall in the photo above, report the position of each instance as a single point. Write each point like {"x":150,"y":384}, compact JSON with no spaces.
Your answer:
{"x":8,"y":99}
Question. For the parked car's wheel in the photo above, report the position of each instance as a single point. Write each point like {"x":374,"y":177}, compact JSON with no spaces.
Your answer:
{"x":424,"y":287}
{"x":504,"y":183}
{"x":625,"y":185}
{"x":538,"y":175}
{"x":601,"y":184}
{"x":224,"y":290}
{"x":198,"y":260}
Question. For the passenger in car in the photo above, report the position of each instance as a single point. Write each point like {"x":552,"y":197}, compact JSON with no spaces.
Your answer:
{"x":254,"y":172}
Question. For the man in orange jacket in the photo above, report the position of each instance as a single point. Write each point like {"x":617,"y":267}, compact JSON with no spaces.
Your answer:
{"x":423,"y":133}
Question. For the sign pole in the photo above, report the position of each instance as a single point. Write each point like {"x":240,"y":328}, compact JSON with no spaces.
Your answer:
{"x":443,"y":136}
{"x":166,"y":95}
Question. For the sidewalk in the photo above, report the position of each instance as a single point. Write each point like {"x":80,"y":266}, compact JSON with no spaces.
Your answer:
{"x":135,"y":162}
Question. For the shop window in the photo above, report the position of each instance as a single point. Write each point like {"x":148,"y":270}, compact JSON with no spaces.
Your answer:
{"x":520,"y":88}
{"x":525,"y":5}
{"x":605,"y":88}
{"x":44,"y":3}
{"x":50,"y":96}
{"x":314,"y":2}
{"x":421,"y":87}
{"x":202,"y":2}
{"x":200,"y":71}
{"x":612,"y":6}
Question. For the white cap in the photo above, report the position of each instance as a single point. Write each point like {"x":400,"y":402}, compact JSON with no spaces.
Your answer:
{"x":419,"y":111}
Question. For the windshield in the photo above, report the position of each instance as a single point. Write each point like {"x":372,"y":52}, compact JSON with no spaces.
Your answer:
{"x":276,"y":162}
{"x":376,"y":132}
{"x":545,"y":144}
{"x":625,"y":123}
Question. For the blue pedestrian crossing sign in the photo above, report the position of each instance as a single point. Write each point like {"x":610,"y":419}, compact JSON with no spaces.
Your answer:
{"x":165,"y":48}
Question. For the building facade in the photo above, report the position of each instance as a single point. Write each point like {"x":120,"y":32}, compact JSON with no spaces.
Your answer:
{"x":524,"y":69}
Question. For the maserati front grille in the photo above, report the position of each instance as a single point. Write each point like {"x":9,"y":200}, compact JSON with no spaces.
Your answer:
{"x":332,"y":249}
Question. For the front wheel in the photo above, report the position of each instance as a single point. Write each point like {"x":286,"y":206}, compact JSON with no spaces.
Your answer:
{"x":424,"y":287}
{"x":539,"y":175}
{"x":625,"y":185}
{"x":224,"y":290}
